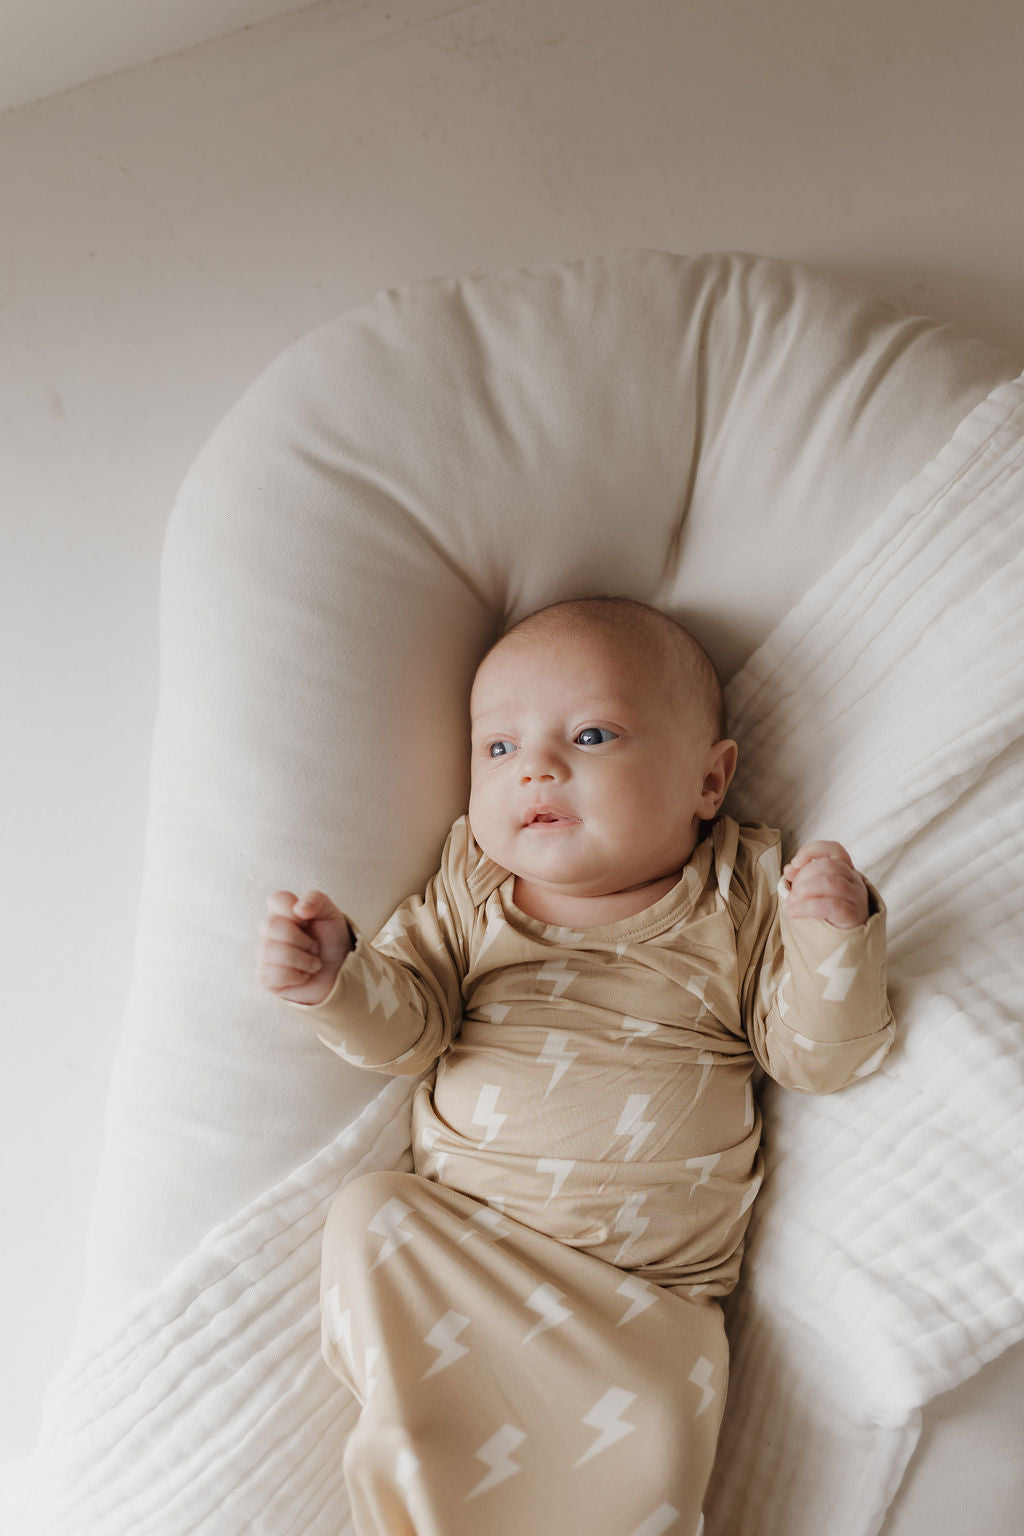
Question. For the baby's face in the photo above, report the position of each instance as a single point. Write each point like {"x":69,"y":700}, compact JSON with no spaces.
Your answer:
{"x":588,"y":778}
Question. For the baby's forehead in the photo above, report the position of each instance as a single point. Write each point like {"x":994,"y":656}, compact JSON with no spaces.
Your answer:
{"x":586,"y":671}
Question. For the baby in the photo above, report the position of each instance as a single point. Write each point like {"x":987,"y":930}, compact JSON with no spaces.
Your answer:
{"x":598,"y":969}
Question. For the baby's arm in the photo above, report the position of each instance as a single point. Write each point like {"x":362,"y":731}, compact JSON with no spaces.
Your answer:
{"x":818,"y":1014}
{"x":302,"y":946}
{"x":392,"y":1005}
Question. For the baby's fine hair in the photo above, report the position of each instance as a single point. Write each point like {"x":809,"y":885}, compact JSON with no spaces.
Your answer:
{"x":633,"y":623}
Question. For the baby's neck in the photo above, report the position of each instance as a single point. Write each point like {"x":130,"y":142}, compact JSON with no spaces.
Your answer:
{"x":561,"y":910}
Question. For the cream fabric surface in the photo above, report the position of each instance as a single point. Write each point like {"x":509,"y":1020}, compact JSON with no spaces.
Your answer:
{"x":706,"y":433}
{"x":710,"y":434}
{"x":888,"y":1253}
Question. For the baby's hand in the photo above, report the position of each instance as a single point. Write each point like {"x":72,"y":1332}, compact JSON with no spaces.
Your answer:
{"x":824,"y":883}
{"x":303,"y":944}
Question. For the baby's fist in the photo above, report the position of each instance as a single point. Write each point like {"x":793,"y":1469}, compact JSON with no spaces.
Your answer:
{"x":823,"y":883}
{"x":302,"y":946}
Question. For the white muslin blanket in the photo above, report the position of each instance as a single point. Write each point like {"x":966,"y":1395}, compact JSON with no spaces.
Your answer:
{"x":886,"y":1261}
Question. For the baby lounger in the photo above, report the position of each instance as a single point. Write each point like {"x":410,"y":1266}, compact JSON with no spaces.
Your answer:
{"x":827,"y":491}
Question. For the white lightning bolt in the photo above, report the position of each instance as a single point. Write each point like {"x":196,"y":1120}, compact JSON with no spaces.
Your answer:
{"x":406,"y":1467}
{"x":559,"y":975}
{"x":639,"y":1294}
{"x":496,"y":1012}
{"x":635,"y":1029}
{"x":564,"y":935}
{"x":751,"y":1194}
{"x":767,"y":987}
{"x":632,"y":1124}
{"x":429,"y":1139}
{"x":557,"y":1055}
{"x":491,"y":931}
{"x":877,"y":1059}
{"x":380,"y":990}
{"x":386,"y":1224}
{"x":369,"y":1365}
{"x":701,"y":1377}
{"x":662,"y":1519}
{"x":444,"y":1338}
{"x":547,"y":1303}
{"x":707,"y":1166}
{"x":840,"y":977}
{"x":771,"y":862}
{"x":697,"y":986}
{"x":484,"y":1113}
{"x":396,"y":925}
{"x":338,"y":1324}
{"x":495,"y":1453}
{"x":486,"y":1224}
{"x":628,"y":1220}
{"x":559,"y":1169}
{"x":606,"y":1416}
{"x":706,"y":1062}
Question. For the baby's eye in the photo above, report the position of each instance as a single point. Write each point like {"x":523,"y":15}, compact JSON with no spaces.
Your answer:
{"x":501,"y":748}
{"x":594,"y":736}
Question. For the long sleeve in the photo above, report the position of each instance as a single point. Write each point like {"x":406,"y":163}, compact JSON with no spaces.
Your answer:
{"x":814,"y":1003}
{"x":396,"y":1003}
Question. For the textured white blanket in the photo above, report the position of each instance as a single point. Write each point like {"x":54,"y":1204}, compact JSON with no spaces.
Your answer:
{"x":887,"y":1257}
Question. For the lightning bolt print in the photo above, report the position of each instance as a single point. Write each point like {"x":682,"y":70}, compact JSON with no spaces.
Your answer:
{"x":557,"y":1055}
{"x":496,"y":1453}
{"x":632,"y":1124}
{"x":636,"y":1029}
{"x":697,"y":986}
{"x":370,"y":1355}
{"x":429,"y":1140}
{"x":406,"y":1467}
{"x":707,"y":1166}
{"x":396,"y":925}
{"x":490,"y":1226}
{"x":387,"y":1224}
{"x":444,"y":1338}
{"x":629,"y":1221}
{"x":840,"y":976}
{"x":547,"y":1303}
{"x":701,"y":1377}
{"x":557,"y":972}
{"x":639,"y":1294}
{"x":380,"y":990}
{"x":606,"y":1416}
{"x":559,"y":1169}
{"x":660,"y":1521}
{"x":751,"y":1193}
{"x":485,"y":1113}
{"x":877,"y":1059}
{"x":338,"y":1324}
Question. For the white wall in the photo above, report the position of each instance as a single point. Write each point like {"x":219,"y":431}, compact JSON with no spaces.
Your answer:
{"x":167,"y":231}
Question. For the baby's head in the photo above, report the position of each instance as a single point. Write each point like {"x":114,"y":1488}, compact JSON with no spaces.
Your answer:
{"x":598,"y":748}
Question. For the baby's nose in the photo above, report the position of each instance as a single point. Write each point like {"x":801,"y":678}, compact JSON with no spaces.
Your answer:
{"x":538,"y":768}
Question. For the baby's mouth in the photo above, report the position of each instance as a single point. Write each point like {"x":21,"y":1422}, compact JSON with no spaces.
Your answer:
{"x":543,"y":815}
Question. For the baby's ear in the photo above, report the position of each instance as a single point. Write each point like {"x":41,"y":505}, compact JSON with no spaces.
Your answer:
{"x":721,"y":766}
